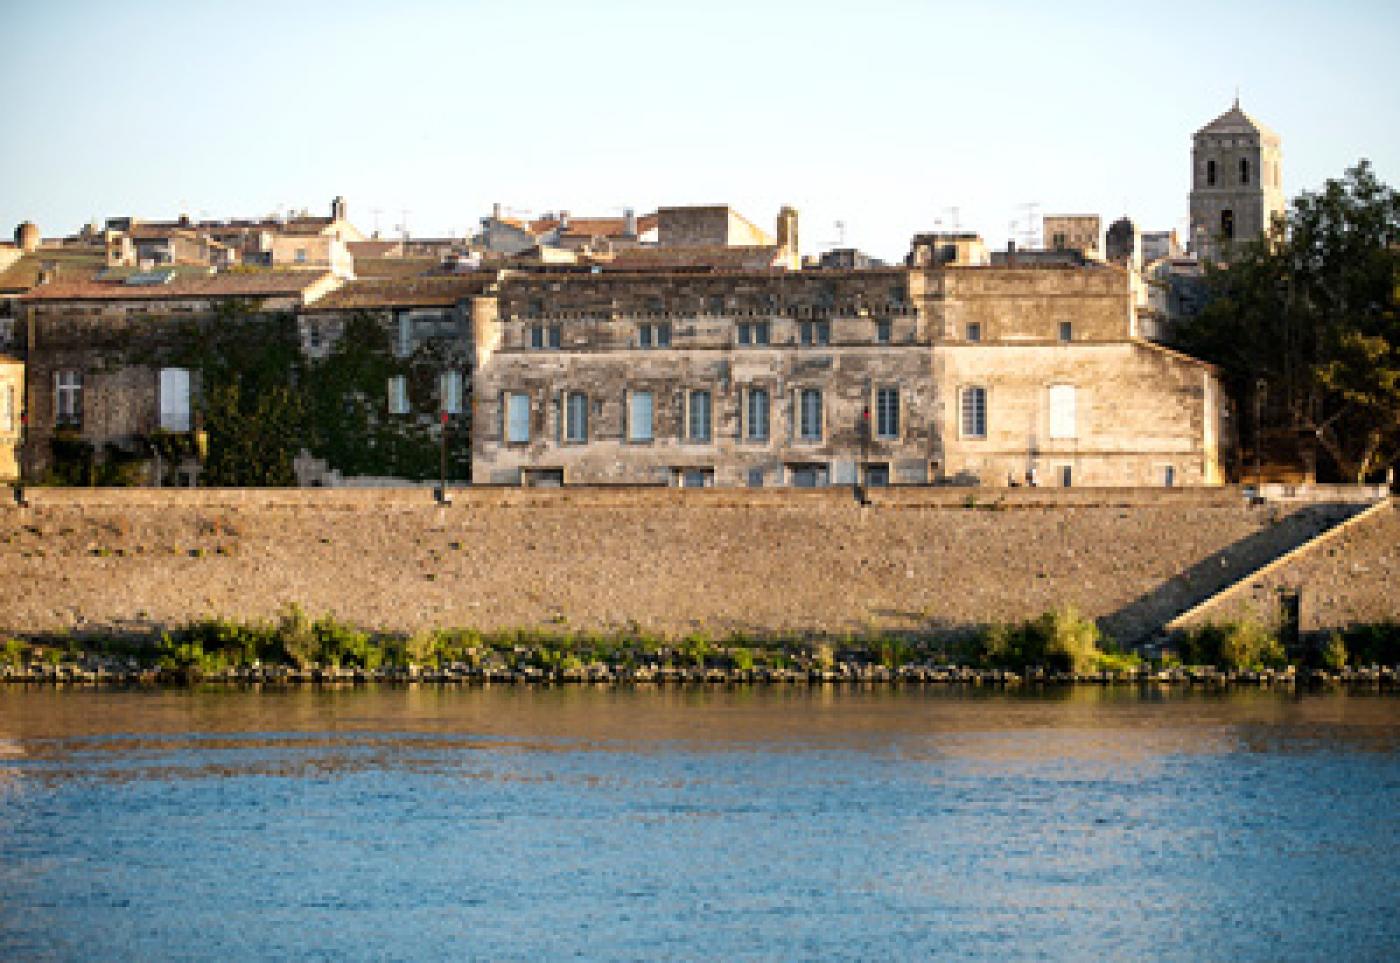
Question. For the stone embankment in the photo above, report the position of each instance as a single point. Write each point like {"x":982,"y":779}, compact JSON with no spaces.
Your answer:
{"x":921,"y":562}
{"x":123,"y":672}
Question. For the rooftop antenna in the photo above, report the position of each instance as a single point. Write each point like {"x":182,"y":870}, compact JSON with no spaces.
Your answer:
{"x":376,"y":211}
{"x":955,"y":211}
{"x":840,"y":234}
{"x":402,"y":226}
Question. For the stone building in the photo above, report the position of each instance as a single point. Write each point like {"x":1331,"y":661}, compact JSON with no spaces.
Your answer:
{"x":73,"y":333}
{"x":1073,"y":232}
{"x":11,"y":413}
{"x":974,"y":375}
{"x":1236,"y":183}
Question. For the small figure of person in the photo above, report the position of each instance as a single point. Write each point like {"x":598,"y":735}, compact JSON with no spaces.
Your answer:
{"x":1032,"y":478}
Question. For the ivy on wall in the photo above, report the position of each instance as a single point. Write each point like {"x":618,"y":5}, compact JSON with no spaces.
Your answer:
{"x":262,"y":401}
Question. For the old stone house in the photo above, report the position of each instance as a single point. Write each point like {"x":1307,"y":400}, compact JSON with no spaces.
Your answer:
{"x":93,"y":353}
{"x":973,"y":375}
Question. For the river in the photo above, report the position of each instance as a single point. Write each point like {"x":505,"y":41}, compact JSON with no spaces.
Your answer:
{"x":620,"y":823}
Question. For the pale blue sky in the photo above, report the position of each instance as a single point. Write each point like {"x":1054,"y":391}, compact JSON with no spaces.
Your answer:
{"x":882,"y":114}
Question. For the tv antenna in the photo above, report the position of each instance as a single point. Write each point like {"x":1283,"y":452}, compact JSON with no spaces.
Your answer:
{"x":840,"y":235}
{"x":376,"y":211}
{"x":1030,"y":235}
{"x":402,"y":226}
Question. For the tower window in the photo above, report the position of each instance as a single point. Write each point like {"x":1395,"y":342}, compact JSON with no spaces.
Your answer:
{"x":1244,"y":170}
{"x":1210,"y":173}
{"x":1227,"y":224}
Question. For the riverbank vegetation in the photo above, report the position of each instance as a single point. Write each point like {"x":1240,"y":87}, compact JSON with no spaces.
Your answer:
{"x":1060,"y":644}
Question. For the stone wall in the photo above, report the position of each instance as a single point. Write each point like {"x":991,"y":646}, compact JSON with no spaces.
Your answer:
{"x":917,"y":560}
{"x":1349,"y":575}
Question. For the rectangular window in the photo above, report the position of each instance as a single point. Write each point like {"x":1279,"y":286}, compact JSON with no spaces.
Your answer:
{"x":823,"y":332}
{"x":1062,"y":411}
{"x":877,"y":475}
{"x":974,"y":331}
{"x":644,"y":336}
{"x":403,"y":343}
{"x":804,"y":332}
{"x":1066,"y":476}
{"x":639,"y":416}
{"x":1169,"y":476}
{"x":974,"y":412}
{"x":698,"y":422}
{"x":663,"y":334}
{"x":760,"y":332}
{"x":450,"y":392}
{"x":68,"y":398}
{"x":745,"y":334}
{"x":175,"y":399}
{"x":537,"y":336}
{"x":811,"y":414}
{"x":887,"y":413}
{"x":654,"y":335}
{"x":555,"y":335}
{"x":517,"y":418}
{"x":1066,"y":331}
{"x":696,"y":477}
{"x":808,"y":476}
{"x":882,"y":331}
{"x":301,"y":255}
{"x":576,"y":418}
{"x":756,"y":428}
{"x":755,"y":477}
{"x":398,"y":395}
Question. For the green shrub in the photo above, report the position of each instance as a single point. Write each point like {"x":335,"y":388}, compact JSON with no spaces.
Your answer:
{"x":1334,"y":653}
{"x":1374,"y":644}
{"x":1244,"y":644}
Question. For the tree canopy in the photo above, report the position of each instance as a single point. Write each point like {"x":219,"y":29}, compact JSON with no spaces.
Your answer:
{"x":1311,"y":313}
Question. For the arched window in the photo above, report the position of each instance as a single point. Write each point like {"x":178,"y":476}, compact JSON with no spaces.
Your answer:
{"x":1227,"y":224}
{"x":1210,"y":173}
{"x":1244,"y":170}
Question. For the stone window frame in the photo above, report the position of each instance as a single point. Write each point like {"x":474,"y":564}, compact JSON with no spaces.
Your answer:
{"x":687,"y":428}
{"x":1051,"y":431}
{"x":450,"y":392}
{"x":884,"y":331}
{"x":1210,"y":173}
{"x":174,"y":400}
{"x":814,"y":333}
{"x":1244,"y":171}
{"x":68,"y":398}
{"x":654,"y":334}
{"x":972,"y":332}
{"x":962,"y":412}
{"x":629,"y":416}
{"x":1065,"y":333}
{"x":878,"y":413}
{"x":746,"y":414}
{"x":800,"y":393}
{"x":747,"y":334}
{"x":1167,"y":475}
{"x":507,"y":403}
{"x":576,"y":405}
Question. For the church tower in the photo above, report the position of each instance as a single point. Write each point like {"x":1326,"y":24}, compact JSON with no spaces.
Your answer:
{"x":1236,"y":183}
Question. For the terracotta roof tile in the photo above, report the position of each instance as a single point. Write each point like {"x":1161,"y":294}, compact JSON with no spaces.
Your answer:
{"x":404,"y":292}
{"x":232,"y":285}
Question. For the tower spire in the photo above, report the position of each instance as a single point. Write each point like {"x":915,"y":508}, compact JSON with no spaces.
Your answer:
{"x":1237,"y":96}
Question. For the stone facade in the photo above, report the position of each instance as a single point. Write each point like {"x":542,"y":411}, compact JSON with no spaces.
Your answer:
{"x":11,"y":410}
{"x":1236,"y":183}
{"x":963,"y":375}
{"x":1073,"y":232}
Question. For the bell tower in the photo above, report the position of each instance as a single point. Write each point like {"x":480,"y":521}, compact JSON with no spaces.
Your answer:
{"x":1236,"y":183}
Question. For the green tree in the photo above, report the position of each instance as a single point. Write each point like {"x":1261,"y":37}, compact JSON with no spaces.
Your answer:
{"x":1312,"y":313}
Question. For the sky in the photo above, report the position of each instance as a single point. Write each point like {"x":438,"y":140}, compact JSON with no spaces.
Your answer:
{"x":888,"y":116}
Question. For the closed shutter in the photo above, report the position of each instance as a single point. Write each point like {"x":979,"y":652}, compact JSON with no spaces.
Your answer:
{"x":175,"y":399}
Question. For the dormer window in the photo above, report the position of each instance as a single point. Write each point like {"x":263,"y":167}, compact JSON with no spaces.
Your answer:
{"x":1210,"y":173}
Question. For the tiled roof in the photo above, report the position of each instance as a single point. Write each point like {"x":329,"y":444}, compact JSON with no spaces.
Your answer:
{"x":1236,"y":121}
{"x":231,"y":285}
{"x":592,"y":226}
{"x":404,"y":292}
{"x":71,"y":265}
{"x":374,"y":248}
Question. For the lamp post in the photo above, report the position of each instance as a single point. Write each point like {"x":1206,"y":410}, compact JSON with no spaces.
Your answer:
{"x":442,"y":460}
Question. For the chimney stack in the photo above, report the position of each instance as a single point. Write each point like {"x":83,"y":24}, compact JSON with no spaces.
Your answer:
{"x":629,"y":222}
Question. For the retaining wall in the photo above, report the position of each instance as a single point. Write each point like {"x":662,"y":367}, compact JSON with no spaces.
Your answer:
{"x":664,"y":560}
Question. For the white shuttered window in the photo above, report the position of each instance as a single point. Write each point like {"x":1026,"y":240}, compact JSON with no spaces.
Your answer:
{"x":175,"y":399}
{"x":1062,"y":411}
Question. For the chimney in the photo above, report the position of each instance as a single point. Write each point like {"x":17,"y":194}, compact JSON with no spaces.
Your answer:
{"x":629,"y":222}
{"x":787,"y":231}
{"x":563,"y":219}
{"x":338,"y":208}
{"x":496,"y":211}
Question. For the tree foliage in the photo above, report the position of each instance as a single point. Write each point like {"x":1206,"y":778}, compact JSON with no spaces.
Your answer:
{"x":1310,"y":314}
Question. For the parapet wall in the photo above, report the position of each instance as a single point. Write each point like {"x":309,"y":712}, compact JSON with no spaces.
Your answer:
{"x":662,"y":560}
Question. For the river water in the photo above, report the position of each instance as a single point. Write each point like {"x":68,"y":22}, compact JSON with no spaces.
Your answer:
{"x":525,"y":823}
